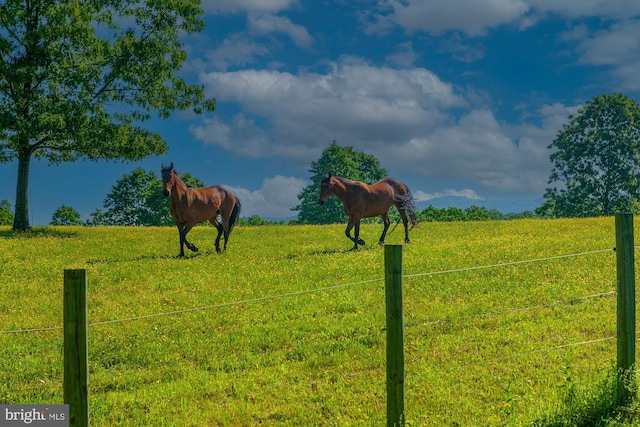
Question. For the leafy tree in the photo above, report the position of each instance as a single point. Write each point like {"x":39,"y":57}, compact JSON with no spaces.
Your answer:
{"x":596,"y":162}
{"x":339,"y":161}
{"x":6,"y":216}
{"x":472,"y":213}
{"x":78,"y":79}
{"x":429,"y":214}
{"x":126,"y":204}
{"x":65,"y":215}
{"x":477,"y":213}
{"x":97,"y":218}
{"x":256,"y":220}
{"x":521,"y":215}
{"x":452,"y":214}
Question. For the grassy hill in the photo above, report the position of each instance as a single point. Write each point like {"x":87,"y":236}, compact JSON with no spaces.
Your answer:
{"x":505,"y":322}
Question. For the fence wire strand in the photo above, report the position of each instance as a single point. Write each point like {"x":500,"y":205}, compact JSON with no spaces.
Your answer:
{"x":428,"y":321}
{"x":506,"y":264}
{"x":309,"y":291}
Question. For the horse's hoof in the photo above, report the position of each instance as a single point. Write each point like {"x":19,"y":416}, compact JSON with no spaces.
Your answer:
{"x":193,"y":248}
{"x":381,"y":243}
{"x":361,"y":242}
{"x":407,"y":241}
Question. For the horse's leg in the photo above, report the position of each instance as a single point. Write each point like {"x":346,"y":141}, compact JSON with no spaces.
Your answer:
{"x":226,"y":228}
{"x":181,"y":241}
{"x":347,"y":232}
{"x":219,"y":227}
{"x":386,"y":221}
{"x":405,"y":221}
{"x":183,"y":235}
{"x":356,"y":236}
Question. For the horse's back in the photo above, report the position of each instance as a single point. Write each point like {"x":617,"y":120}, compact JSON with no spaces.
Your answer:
{"x":397,"y":186}
{"x":201,"y":204}
{"x":226,"y":201}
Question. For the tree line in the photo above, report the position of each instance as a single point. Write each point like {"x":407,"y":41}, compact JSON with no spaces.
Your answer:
{"x":136,"y":199}
{"x":67,"y":215}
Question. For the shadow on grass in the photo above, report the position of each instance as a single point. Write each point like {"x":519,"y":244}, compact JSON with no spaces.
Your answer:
{"x":327,"y":251}
{"x":37,"y":233}
{"x":597,"y":406}
{"x":147,"y":258}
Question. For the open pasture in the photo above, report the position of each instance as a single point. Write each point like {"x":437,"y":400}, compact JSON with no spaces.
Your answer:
{"x":287,"y":326}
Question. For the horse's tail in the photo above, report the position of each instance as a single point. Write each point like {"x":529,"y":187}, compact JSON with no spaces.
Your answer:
{"x":407,"y":203}
{"x":235,"y":214}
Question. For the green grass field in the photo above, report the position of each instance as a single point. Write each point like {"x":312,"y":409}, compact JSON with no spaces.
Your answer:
{"x":289,"y":324}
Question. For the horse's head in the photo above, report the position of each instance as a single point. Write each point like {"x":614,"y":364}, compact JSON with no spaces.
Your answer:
{"x":325,"y":188}
{"x":168,"y":179}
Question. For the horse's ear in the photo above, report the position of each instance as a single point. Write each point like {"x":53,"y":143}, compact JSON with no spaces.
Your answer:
{"x":171,"y":166}
{"x":327,"y":175}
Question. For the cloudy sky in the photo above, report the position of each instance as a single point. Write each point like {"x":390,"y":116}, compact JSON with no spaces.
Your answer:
{"x":454,"y":97}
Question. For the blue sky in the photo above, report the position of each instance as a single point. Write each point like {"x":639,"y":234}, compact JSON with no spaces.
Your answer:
{"x":454,"y":97}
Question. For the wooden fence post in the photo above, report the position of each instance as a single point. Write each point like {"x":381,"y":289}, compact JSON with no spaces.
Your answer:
{"x":626,"y":303}
{"x":395,"y":335}
{"x":76,"y":371}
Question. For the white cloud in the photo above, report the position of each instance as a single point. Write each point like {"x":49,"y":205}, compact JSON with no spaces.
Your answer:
{"x":404,"y":57}
{"x":615,"y":46}
{"x":268,"y":24}
{"x":421,"y":196}
{"x":275,"y":198}
{"x":474,"y":17}
{"x":354,"y":103}
{"x":232,"y":6}
{"x":618,"y":49}
{"x":469,"y":16}
{"x":236,"y":50}
{"x":255,"y":141}
{"x":475,"y":147}
{"x":409,"y":119}
{"x":620,"y":9}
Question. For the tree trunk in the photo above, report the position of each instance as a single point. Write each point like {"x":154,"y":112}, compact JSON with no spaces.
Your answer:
{"x":21,"y":217}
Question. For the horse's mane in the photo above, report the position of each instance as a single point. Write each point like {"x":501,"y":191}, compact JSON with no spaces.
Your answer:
{"x":348,"y":181}
{"x":171,"y":168}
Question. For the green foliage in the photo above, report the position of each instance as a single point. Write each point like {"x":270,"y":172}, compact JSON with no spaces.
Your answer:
{"x":65,"y":215}
{"x":137,"y":199}
{"x":127,"y":204}
{"x":472,"y":213}
{"x":97,"y":218}
{"x":256,"y":220}
{"x":293,"y":333}
{"x":339,"y":161}
{"x":6,"y":216}
{"x":595,"y":405}
{"x":596,"y":160}
{"x":78,"y":79}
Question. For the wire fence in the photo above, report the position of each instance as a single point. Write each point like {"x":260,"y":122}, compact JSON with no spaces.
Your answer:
{"x":346,"y":285}
{"x":414,"y":323}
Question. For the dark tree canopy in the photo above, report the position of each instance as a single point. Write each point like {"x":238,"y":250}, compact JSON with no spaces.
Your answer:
{"x":339,"y":161}
{"x":65,"y":215}
{"x":6,"y":216}
{"x":596,"y":160}
{"x":79,"y":78}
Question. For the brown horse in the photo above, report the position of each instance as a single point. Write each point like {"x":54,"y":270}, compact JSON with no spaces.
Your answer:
{"x":190,"y":206}
{"x":361,"y":200}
